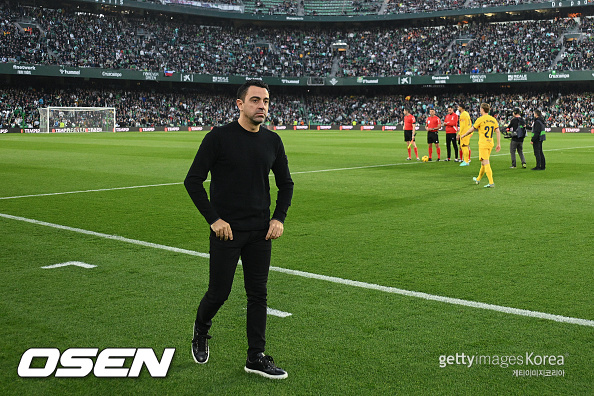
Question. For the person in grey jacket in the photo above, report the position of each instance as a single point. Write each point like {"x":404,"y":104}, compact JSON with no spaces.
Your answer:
{"x":517,"y":127}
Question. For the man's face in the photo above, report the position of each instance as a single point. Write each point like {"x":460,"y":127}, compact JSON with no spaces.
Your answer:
{"x":450,"y":110}
{"x":460,"y":109}
{"x":255,"y":105}
{"x":432,"y":112}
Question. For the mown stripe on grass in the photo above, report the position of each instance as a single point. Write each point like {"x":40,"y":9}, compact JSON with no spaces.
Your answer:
{"x":293,"y":173}
{"x":309,"y":275}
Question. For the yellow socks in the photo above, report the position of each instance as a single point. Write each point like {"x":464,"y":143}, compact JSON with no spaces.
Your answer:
{"x":489,"y":172}
{"x":481,"y":173}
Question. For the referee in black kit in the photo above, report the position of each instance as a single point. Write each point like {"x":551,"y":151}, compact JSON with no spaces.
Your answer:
{"x":239,"y":157}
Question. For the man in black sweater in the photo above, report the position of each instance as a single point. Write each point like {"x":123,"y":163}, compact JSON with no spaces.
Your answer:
{"x":239,"y":157}
{"x":538,"y":136}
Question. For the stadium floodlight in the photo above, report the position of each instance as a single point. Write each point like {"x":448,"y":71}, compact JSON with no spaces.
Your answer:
{"x":77,"y":119}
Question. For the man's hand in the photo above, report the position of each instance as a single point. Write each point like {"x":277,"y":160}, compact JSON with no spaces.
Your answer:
{"x":275,"y":230}
{"x":498,"y":148}
{"x":222,"y":229}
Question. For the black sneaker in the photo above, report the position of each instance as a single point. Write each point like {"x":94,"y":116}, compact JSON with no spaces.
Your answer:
{"x":264,"y":365}
{"x":200,"y":348}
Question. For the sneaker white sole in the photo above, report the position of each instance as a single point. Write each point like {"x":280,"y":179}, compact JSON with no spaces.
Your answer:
{"x":263,"y":374}
{"x":194,"y":357}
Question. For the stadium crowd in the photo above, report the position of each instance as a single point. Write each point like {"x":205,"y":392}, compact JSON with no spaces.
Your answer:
{"x":19,"y":107}
{"x":58,"y":36}
{"x":413,"y":51}
{"x":579,"y":53}
{"x":412,"y":6}
{"x":393,"y":6}
{"x":527,"y":46}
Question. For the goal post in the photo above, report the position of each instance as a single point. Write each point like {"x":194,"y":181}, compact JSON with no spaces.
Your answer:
{"x":77,"y":119}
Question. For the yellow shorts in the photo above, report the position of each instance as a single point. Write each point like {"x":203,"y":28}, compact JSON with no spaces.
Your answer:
{"x":484,"y":153}
{"x":466,"y":141}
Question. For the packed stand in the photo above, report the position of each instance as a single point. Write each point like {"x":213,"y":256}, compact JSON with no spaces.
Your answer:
{"x":152,"y":44}
{"x":413,"y":6}
{"x":404,"y":51}
{"x":393,"y":6}
{"x":499,"y":3}
{"x":527,"y":46}
{"x":19,"y":107}
{"x":579,"y":53}
{"x":148,"y":44}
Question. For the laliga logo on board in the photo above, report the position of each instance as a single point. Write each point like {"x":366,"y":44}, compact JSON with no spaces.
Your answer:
{"x":77,"y":362}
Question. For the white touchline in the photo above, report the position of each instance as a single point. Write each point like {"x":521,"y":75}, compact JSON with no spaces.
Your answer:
{"x":207,"y":181}
{"x":364,"y":285}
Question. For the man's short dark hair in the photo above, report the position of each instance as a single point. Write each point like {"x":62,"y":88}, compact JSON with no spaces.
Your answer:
{"x":517,"y":111}
{"x":538,"y":113}
{"x":462,"y":106}
{"x":242,"y":91}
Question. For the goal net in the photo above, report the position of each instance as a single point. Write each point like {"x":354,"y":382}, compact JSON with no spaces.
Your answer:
{"x":77,"y":119}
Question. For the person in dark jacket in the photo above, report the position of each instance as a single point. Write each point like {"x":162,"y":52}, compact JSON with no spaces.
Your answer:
{"x":239,"y":157}
{"x":517,"y":128}
{"x":538,"y":136}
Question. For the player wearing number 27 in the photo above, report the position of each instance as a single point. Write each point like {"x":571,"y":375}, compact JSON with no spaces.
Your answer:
{"x":486,"y":125}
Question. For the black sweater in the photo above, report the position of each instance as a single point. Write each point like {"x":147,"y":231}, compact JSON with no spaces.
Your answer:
{"x":513,"y":126}
{"x":239,"y":162}
{"x":538,"y":130}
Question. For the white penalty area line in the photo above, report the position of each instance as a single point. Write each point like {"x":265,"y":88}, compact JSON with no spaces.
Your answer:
{"x":95,"y":190}
{"x":309,"y":275}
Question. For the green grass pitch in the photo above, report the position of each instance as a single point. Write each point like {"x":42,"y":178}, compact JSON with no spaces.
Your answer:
{"x":360,"y":212}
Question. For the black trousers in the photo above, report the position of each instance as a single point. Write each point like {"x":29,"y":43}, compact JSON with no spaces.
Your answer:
{"x":451,"y":139}
{"x":255,"y":252}
{"x":538,"y":153}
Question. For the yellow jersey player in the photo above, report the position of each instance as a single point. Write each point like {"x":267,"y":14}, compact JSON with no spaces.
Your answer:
{"x":465,"y":123}
{"x":485,"y":125}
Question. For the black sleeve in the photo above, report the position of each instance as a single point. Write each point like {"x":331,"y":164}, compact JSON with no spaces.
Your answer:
{"x":196,"y":176}
{"x":284,"y":183}
{"x":513,"y":124}
{"x":536,"y":130}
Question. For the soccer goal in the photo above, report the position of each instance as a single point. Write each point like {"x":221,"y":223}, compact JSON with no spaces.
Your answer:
{"x":77,"y":119}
